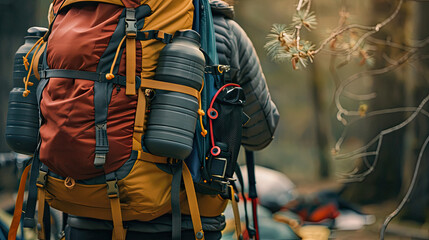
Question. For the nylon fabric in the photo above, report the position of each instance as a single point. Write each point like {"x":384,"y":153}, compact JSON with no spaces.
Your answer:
{"x":176,"y":222}
{"x":139,"y":120}
{"x":47,"y":221}
{"x":167,"y":16}
{"x":192,"y":201}
{"x":118,"y":228}
{"x":32,"y":193}
{"x":147,"y":157}
{"x":140,"y":200}
{"x":147,"y":83}
{"x":236,"y":214}
{"x":66,"y":103}
{"x":13,"y":229}
{"x":131,"y":65}
{"x":209,"y":205}
{"x":41,"y":211}
{"x":36,"y":61}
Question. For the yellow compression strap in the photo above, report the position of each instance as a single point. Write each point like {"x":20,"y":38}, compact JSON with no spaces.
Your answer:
{"x":131,"y":65}
{"x":139,"y":120}
{"x":193,"y":204}
{"x":18,"y":205}
{"x":148,"y":83}
{"x":40,"y":212}
{"x":113,"y":236}
{"x":36,"y":60}
{"x":236,"y":214}
{"x":115,"y":206}
{"x":147,"y":157}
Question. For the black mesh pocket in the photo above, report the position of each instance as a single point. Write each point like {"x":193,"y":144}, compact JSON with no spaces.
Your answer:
{"x":226,"y":117}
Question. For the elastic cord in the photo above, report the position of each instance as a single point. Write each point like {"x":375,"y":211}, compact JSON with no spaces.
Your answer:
{"x":110,"y":75}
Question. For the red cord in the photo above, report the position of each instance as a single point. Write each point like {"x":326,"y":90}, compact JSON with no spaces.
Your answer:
{"x":211,"y":106}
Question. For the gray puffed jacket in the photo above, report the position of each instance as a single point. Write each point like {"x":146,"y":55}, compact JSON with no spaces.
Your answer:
{"x":235,"y":49}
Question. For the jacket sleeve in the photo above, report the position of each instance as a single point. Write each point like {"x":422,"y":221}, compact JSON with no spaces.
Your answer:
{"x":263,"y":113}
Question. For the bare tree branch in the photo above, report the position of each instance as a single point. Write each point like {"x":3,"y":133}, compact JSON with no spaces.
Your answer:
{"x":371,"y":29}
{"x":407,"y":195}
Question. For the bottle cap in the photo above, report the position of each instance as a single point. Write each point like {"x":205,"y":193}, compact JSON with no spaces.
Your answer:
{"x":189,"y":35}
{"x":36,"y":32}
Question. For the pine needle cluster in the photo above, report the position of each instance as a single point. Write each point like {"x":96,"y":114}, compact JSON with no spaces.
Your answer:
{"x":284,"y":42}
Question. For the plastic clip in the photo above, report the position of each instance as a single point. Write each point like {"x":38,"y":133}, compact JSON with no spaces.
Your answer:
{"x":130,"y":23}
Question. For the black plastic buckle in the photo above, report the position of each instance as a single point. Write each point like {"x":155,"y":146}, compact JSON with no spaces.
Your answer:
{"x":112,"y":189}
{"x":41,"y":179}
{"x":130,"y":23}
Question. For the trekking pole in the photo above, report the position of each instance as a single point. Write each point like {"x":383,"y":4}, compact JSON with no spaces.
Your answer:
{"x":253,"y":195}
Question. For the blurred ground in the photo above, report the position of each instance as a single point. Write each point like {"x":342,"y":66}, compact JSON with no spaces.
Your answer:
{"x":397,"y":230}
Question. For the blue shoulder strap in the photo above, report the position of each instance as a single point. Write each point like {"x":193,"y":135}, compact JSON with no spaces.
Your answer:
{"x":203,"y":24}
{"x":208,"y":39}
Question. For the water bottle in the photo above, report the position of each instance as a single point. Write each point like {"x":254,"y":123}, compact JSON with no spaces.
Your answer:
{"x":22,"y":124}
{"x":173,"y":116}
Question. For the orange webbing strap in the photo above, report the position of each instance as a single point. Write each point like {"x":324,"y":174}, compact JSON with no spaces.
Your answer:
{"x":115,"y":206}
{"x":148,"y":83}
{"x":113,"y":236}
{"x":40,"y":212}
{"x":131,"y":66}
{"x":41,"y":192}
{"x":131,"y":34}
{"x":36,"y":60}
{"x":144,"y":156}
{"x":193,"y":204}
{"x":18,"y":205}
{"x":139,"y":119}
{"x":236,"y":214}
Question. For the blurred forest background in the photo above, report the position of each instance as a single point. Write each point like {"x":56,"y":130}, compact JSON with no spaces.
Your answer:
{"x":305,"y":147}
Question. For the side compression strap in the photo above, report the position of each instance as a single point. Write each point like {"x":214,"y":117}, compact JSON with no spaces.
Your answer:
{"x":37,"y":59}
{"x":93,"y":76}
{"x":131,"y":34}
{"x":149,"y":83}
{"x":193,"y":204}
{"x":115,"y":206}
{"x":47,"y":221}
{"x":176,"y":222}
{"x":30,"y":210}
{"x":18,"y":205}
{"x":41,"y":182}
{"x":139,"y":120}
{"x":102,"y":96}
{"x":236,"y":214}
{"x":239,"y":175}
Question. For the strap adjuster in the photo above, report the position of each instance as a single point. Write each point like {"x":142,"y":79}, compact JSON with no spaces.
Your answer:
{"x":130,"y":23}
{"x":42,"y":74}
{"x":41,"y":179}
{"x":112,"y":189}
{"x":217,"y":69}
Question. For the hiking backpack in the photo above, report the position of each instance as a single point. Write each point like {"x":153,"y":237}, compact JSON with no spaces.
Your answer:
{"x":96,"y":97}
